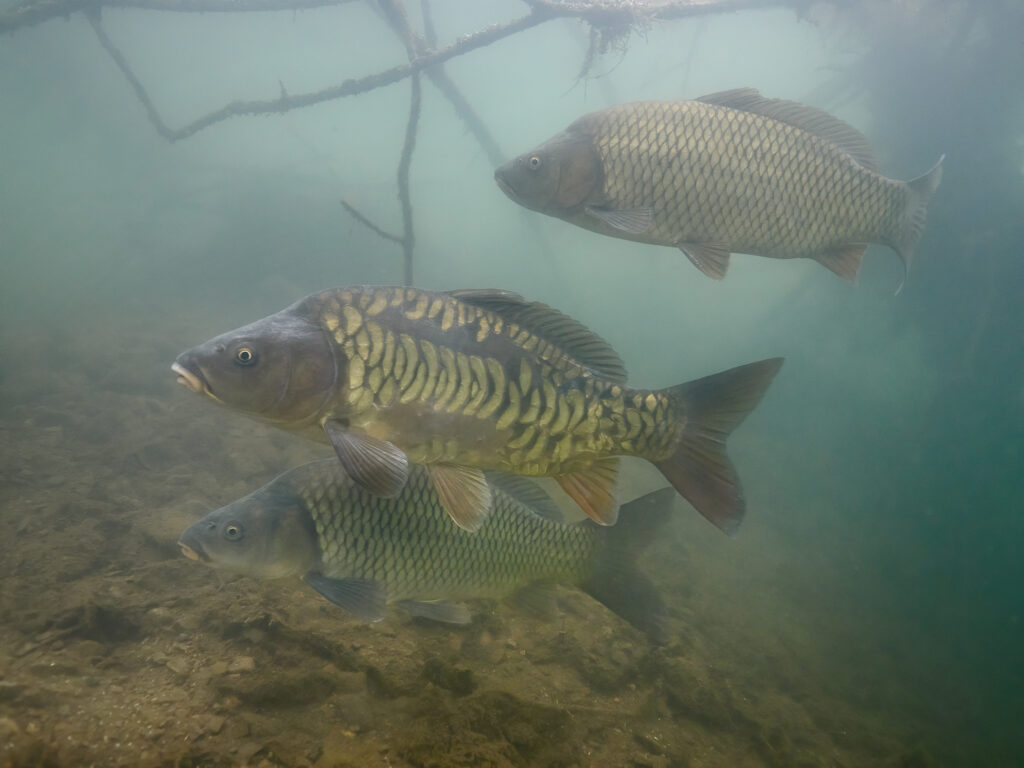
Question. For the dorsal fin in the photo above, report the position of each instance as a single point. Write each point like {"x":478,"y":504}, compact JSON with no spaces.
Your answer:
{"x":823,"y":125}
{"x":528,"y":493}
{"x":575,"y":339}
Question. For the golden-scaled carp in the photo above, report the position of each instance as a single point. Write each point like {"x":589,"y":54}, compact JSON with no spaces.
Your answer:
{"x":471,"y":380}
{"x":729,"y":172}
{"x":363,"y":552}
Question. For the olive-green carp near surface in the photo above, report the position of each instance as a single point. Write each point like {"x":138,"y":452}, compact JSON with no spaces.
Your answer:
{"x":473,"y":380}
{"x":729,"y":172}
{"x":364,"y":552}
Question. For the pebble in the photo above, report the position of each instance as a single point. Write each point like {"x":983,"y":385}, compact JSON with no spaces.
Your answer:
{"x":208,"y":724}
{"x":8,"y":728}
{"x":178,"y":665}
{"x":237,"y":730}
{"x":242,"y":664}
{"x":161,"y":616}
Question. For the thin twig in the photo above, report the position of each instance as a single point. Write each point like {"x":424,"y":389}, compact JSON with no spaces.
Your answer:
{"x":365,"y":221}
{"x":93,"y":16}
{"x":409,"y":241}
{"x":447,"y":86}
{"x":429,"y":32}
{"x":34,"y":12}
{"x":365,"y":84}
{"x":474,"y":123}
{"x":394,"y":12}
{"x":541,"y":11}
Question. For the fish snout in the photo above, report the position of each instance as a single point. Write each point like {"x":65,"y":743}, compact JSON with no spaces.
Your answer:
{"x":191,"y":545}
{"x":502,"y":175}
{"x":189,"y":375}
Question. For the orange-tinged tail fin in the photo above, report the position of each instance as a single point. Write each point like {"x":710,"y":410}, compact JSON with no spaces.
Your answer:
{"x":714,"y":406}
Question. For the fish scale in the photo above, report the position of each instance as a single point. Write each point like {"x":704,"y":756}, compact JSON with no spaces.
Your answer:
{"x":411,"y":546}
{"x":729,"y":203}
{"x":730,"y":171}
{"x":568,"y":412}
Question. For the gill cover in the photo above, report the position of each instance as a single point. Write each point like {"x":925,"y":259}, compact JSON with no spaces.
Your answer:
{"x":281,"y":368}
{"x":557,"y":178}
{"x":267,"y":534}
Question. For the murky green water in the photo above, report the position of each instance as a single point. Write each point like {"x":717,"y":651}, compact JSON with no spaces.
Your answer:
{"x":869,"y":611}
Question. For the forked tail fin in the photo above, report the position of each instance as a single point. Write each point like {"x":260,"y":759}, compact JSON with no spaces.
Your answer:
{"x":915,"y":214}
{"x":714,"y":406}
{"x":616,"y":581}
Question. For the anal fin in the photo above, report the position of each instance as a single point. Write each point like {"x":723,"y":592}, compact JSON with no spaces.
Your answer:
{"x":464,"y":493}
{"x":844,"y":260}
{"x":539,"y":599}
{"x":710,"y":258}
{"x":594,"y":489}
{"x":376,"y":465}
{"x":437,"y":610}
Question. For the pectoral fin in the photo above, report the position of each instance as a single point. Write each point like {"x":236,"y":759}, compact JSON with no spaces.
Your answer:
{"x":710,"y":258}
{"x":377,"y":465}
{"x":464,"y":493}
{"x":594,"y":489}
{"x":363,"y":598}
{"x":635,"y":221}
{"x":844,"y":260}
{"x":437,"y":610}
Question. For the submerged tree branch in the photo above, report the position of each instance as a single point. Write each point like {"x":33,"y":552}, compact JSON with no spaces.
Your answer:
{"x":34,"y":12}
{"x":93,"y":16}
{"x":609,"y":20}
{"x":613,"y":15}
{"x":286,"y":102}
{"x":602,"y":13}
{"x":363,"y":219}
{"x":409,"y":240}
{"x":394,"y":14}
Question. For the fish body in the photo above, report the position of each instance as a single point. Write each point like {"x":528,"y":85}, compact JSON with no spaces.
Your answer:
{"x":475,"y":380}
{"x":729,"y":172}
{"x":364,"y":552}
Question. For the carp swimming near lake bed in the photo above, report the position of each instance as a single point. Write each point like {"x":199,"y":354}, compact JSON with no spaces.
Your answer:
{"x":364,"y":552}
{"x":728,"y":172}
{"x":473,"y":380}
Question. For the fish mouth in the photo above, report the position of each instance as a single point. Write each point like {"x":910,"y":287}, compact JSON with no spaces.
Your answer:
{"x":190,"y":553}
{"x":191,"y":380}
{"x":504,"y":186}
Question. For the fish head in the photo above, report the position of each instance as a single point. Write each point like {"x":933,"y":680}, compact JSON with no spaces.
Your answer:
{"x":557,"y":178}
{"x":281,"y":368}
{"x":268,"y":534}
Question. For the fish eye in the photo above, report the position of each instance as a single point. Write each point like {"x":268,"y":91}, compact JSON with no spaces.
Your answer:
{"x":534,"y":162}
{"x":245,"y":356}
{"x":233,"y":531}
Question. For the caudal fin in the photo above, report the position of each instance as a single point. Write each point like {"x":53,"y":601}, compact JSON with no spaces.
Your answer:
{"x":915,"y":214}
{"x":714,"y":406}
{"x":616,"y":581}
